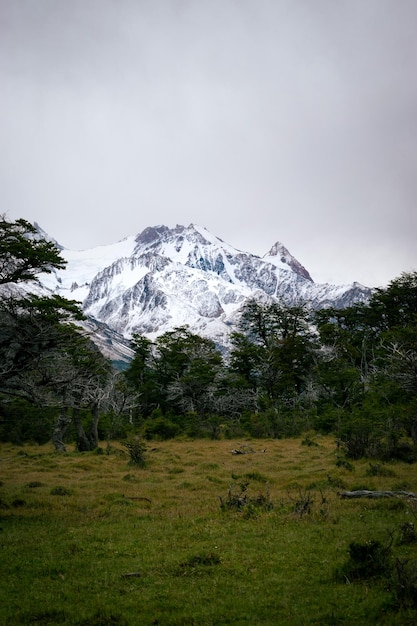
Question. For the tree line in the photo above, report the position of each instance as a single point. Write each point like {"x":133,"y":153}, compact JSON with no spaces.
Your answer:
{"x":351,"y":372}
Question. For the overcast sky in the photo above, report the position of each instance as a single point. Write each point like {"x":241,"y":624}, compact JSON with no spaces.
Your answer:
{"x":262,"y":120}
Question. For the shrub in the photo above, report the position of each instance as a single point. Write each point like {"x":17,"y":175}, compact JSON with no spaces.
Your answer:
{"x":242,"y":501}
{"x":404,"y":583}
{"x":136,"y":450}
{"x":309,"y":441}
{"x":376,"y":469}
{"x":366,"y":560}
{"x":60,"y":491}
{"x":358,"y":438}
{"x":159,"y":428}
{"x":338,"y":483}
{"x":303,"y":504}
{"x":408,"y":534}
{"x":342,"y":462}
{"x":402,"y":451}
{"x":18,"y":503}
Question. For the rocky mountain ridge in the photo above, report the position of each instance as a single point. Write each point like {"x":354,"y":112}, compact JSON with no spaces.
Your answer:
{"x":167,"y":277}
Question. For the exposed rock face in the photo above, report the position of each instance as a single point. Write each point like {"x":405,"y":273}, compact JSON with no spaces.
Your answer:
{"x":165,"y":277}
{"x":280,"y":251}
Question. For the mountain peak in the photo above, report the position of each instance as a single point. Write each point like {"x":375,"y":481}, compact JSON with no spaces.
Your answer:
{"x":151,"y":234}
{"x":279,"y":251}
{"x":166,"y":277}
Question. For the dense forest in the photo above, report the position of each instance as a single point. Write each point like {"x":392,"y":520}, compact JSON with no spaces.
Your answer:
{"x":350,"y":372}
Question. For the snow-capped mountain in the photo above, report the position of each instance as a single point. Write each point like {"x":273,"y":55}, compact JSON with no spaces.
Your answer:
{"x":163,"y":278}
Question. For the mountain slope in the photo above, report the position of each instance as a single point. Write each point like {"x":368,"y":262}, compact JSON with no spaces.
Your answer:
{"x":165,"y":277}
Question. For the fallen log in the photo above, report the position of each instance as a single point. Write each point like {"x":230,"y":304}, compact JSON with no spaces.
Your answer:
{"x":131,"y":575}
{"x":365,"y":493}
{"x":140,"y":498}
{"x":244,"y":450}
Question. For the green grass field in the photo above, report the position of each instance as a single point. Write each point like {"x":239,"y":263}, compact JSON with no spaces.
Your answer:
{"x":92,"y":539}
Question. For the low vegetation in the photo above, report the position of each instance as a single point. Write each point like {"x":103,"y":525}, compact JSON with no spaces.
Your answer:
{"x":272,"y":485}
{"x":196,"y":534}
{"x":349,"y":372}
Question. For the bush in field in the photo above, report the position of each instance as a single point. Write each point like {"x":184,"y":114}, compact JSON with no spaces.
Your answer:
{"x":136,"y":449}
{"x":404,"y":584}
{"x":357,"y":437}
{"x":372,"y":560}
{"x":159,"y":428}
{"x":366,"y":560}
{"x":241,"y":501}
{"x":60,"y":491}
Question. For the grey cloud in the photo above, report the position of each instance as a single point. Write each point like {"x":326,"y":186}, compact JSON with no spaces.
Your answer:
{"x":260,"y":119}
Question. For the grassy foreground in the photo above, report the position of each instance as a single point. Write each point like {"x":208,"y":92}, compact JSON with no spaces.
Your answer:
{"x":91,"y":539}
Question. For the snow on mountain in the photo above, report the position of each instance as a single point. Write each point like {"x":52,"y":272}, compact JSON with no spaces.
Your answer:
{"x":163,"y":278}
{"x":279,"y":256}
{"x":83,"y":265}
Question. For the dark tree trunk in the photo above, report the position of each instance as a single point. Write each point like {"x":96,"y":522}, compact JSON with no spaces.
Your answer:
{"x":93,"y":436}
{"x":83,"y":443}
{"x":413,"y":430}
{"x":60,"y":428}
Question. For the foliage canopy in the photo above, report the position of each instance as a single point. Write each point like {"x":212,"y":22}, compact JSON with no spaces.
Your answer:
{"x":351,"y":372}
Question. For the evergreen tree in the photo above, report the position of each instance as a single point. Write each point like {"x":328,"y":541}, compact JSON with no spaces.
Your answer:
{"x":140,"y":376}
{"x":44,"y":358}
{"x":186,"y":367}
{"x":274,"y":352}
{"x":23,"y":254}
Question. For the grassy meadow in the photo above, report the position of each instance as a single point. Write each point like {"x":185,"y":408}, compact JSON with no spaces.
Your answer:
{"x":203,"y":536}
